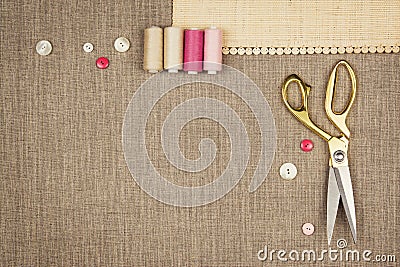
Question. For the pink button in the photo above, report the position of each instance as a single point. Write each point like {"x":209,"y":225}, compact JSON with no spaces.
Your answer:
{"x":102,"y":62}
{"x":306,"y":145}
{"x":308,"y":229}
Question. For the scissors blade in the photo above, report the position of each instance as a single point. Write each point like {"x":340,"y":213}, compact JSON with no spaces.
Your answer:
{"x":343,"y":180}
{"x":332,"y":203}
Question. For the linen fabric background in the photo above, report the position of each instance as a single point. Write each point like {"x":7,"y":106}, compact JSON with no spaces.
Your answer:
{"x":68,"y":199}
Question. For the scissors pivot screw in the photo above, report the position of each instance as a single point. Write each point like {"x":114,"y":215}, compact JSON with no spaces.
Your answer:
{"x":339,"y":156}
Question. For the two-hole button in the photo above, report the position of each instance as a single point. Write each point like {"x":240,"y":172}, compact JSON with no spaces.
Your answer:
{"x":44,"y":48}
{"x":102,"y":62}
{"x":288,"y":171}
{"x":121,"y":44}
{"x":306,"y":145}
{"x":308,"y":228}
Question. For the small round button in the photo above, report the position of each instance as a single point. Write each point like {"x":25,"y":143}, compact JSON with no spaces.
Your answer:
{"x":380,"y":49}
{"x":233,"y":50}
{"x":295,"y":50}
{"x":88,"y":47}
{"x":264,"y":50}
{"x":121,"y":44}
{"x":364,"y":49}
{"x":288,"y":171}
{"x":326,"y":50}
{"x":102,"y":62}
{"x":256,"y":50}
{"x":349,"y":49}
{"x":357,"y":50}
{"x":249,"y":51}
{"x":318,"y":50}
{"x":287,"y":50}
{"x":272,"y":50}
{"x":310,"y":50}
{"x":44,"y":48}
{"x":388,"y":49}
{"x":306,"y":145}
{"x":308,"y":229}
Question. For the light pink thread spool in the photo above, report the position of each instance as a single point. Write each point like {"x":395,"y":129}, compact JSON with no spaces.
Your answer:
{"x":193,"y":53}
{"x":212,"y":50}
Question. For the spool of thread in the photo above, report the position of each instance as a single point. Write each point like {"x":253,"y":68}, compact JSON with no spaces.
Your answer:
{"x":212,"y":50}
{"x":193,"y":53}
{"x":153,"y":49}
{"x":173,"y":49}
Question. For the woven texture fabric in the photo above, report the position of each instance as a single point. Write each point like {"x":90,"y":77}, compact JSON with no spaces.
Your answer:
{"x":299,"y":23}
{"x":67,"y":197}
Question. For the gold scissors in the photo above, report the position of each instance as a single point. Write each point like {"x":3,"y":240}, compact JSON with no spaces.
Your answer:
{"x":339,"y":184}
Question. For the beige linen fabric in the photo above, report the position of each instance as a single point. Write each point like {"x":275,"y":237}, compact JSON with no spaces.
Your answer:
{"x":298,"y":23}
{"x":68,"y":199}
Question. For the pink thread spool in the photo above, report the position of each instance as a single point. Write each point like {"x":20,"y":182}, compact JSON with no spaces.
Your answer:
{"x":212,"y":50}
{"x":193,"y":53}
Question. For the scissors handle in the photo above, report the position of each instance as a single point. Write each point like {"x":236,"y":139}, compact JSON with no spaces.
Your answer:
{"x":339,"y":119}
{"x":301,"y":113}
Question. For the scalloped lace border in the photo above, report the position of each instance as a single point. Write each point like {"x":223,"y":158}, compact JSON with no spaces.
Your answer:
{"x":308,"y":50}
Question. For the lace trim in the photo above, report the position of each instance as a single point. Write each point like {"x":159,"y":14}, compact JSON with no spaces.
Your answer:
{"x":308,"y":50}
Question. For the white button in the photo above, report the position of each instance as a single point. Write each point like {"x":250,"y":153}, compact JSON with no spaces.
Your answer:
{"x":264,"y":50}
{"x":310,"y":50}
{"x":44,"y":48}
{"x":256,"y":51}
{"x":380,"y":49}
{"x":279,"y":51}
{"x":341,"y":50}
{"x":121,"y":44}
{"x":388,"y":49}
{"x":233,"y":50}
{"x":372,"y":49}
{"x":288,"y":171}
{"x":318,"y":50}
{"x":349,"y":49}
{"x":88,"y":47}
{"x":357,"y":50}
{"x":272,"y":51}
{"x":364,"y":49}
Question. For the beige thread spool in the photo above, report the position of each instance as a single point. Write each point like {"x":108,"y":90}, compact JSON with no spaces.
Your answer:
{"x":153,"y":49}
{"x":173,"y":49}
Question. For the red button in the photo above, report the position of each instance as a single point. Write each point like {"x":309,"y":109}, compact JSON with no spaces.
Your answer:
{"x":102,"y":62}
{"x":306,"y":145}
